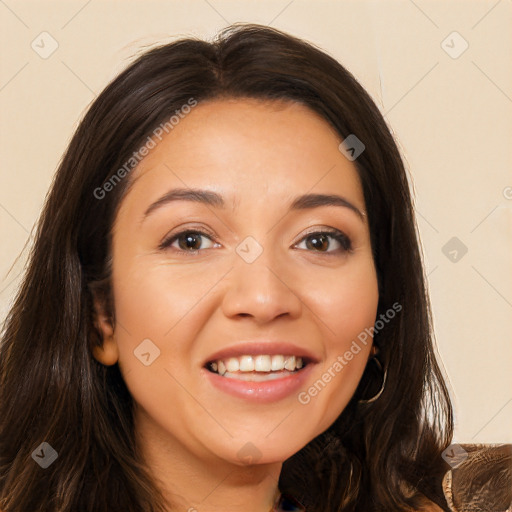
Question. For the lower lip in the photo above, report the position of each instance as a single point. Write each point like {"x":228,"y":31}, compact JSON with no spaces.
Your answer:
{"x":261,"y":392}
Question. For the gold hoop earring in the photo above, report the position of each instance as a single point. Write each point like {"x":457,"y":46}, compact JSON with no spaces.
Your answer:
{"x":378,"y":364}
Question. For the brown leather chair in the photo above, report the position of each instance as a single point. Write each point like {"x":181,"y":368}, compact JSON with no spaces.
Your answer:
{"x":479,"y":478}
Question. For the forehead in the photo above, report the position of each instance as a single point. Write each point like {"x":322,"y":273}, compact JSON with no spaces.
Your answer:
{"x":249,"y":148}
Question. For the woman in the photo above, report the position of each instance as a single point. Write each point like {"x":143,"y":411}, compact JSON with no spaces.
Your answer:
{"x":225,"y":306}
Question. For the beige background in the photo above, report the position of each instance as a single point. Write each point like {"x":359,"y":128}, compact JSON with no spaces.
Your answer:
{"x":451,"y":116}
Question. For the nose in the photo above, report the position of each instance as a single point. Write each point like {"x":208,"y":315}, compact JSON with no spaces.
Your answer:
{"x":260,"y":290}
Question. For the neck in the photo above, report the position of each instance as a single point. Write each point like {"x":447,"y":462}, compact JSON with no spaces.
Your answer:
{"x":192,"y":479}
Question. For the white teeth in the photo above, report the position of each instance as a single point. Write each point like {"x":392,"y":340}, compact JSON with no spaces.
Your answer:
{"x":277,"y":363}
{"x":262,"y":363}
{"x":259,"y":363}
{"x":233,"y":364}
{"x":290,"y":363}
{"x":246,"y":364}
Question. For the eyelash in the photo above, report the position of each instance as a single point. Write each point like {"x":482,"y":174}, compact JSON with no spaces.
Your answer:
{"x":341,"y":238}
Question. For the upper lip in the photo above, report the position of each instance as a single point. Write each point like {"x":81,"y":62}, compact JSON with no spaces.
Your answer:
{"x":255,"y":348}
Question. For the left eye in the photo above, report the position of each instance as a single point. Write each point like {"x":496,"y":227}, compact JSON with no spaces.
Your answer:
{"x":320,"y":241}
{"x":188,"y":241}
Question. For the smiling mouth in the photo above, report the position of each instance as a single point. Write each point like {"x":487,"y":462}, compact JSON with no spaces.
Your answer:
{"x":257,"y":368}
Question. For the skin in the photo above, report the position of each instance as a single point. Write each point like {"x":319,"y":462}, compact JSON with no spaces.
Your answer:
{"x":259,"y":156}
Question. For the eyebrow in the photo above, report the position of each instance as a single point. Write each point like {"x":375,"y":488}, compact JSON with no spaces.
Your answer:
{"x":209,"y":198}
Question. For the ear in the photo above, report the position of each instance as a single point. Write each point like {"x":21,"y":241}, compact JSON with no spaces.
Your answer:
{"x":107,"y":353}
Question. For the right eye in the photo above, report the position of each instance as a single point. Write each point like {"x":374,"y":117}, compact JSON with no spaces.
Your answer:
{"x":188,"y":241}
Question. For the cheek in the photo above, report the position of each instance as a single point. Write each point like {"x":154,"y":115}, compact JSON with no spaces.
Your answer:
{"x":160,"y":311}
{"x":158,"y":315}
{"x":347,"y":304}
{"x":151,"y":299}
{"x":347,"y":310}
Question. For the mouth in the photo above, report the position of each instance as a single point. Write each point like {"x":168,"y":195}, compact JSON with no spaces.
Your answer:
{"x":260,"y":371}
{"x":258,"y":368}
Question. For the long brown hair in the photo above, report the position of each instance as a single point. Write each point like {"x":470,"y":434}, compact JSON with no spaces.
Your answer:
{"x":376,"y":456}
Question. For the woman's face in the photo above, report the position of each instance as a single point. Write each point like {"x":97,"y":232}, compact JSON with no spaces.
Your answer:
{"x":238,"y":268}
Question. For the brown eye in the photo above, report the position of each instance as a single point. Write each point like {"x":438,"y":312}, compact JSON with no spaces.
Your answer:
{"x":188,"y":241}
{"x":324,"y":241}
{"x":319,"y":242}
